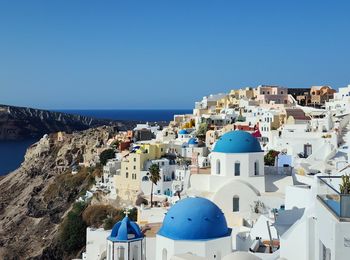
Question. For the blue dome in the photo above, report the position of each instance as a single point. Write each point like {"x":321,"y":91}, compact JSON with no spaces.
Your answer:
{"x":192,"y":141}
{"x":125,"y":230}
{"x":194,"y":219}
{"x":183,"y":132}
{"x":237,"y":142}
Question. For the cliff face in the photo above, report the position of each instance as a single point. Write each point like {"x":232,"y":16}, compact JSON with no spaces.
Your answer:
{"x":19,"y":122}
{"x":35,"y":198}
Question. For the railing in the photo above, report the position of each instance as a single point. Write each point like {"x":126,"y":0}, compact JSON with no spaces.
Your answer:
{"x":329,"y":193}
{"x":273,"y":170}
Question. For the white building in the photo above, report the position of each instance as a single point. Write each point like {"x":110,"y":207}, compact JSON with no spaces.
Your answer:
{"x":237,"y":178}
{"x":167,"y":172}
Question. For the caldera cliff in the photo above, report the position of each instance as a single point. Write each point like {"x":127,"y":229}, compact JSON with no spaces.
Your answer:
{"x":36,"y":198}
{"x":22,"y":122}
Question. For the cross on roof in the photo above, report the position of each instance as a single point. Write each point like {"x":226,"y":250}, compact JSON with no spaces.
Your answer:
{"x":127,"y":212}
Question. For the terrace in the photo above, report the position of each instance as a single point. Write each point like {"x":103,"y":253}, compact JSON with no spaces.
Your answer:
{"x":331,"y":197}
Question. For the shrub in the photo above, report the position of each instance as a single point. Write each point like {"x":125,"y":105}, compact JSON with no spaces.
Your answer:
{"x":269,"y":158}
{"x":106,"y":155}
{"x":108,"y":223}
{"x":95,"y":215}
{"x":72,"y":231}
{"x":202,"y":130}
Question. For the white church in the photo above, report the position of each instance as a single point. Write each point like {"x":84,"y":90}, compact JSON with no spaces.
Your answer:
{"x":238,"y":178}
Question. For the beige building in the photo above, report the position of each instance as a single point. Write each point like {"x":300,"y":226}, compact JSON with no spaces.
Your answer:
{"x":128,"y":183}
{"x":321,"y":94}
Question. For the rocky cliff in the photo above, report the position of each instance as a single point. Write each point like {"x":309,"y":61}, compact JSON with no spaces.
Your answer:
{"x":20,"y":122}
{"x":35,"y":198}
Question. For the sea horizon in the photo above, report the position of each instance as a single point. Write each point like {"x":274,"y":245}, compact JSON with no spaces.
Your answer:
{"x":13,"y":151}
{"x":146,"y":115}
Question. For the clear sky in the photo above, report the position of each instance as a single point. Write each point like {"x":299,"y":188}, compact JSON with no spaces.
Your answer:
{"x":165,"y":54}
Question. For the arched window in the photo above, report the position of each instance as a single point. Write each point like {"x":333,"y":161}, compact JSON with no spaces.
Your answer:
{"x":256,"y":168}
{"x":218,"y":166}
{"x":120,"y":253}
{"x":235,"y":203}
{"x":164,"y":254}
{"x":237,"y":168}
{"x":135,"y":252}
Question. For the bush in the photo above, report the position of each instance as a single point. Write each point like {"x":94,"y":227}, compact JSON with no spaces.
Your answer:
{"x":96,"y":215}
{"x":202,"y":130}
{"x":108,"y":223}
{"x":72,"y":231}
{"x":269,"y":158}
{"x":106,"y":155}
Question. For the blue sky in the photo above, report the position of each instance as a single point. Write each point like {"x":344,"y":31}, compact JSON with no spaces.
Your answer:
{"x":165,"y":54}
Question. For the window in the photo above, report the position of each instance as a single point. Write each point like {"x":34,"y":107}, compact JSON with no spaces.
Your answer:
{"x":135,"y":251}
{"x":237,"y":168}
{"x":218,"y":167}
{"x":134,"y":159}
{"x":256,"y":168}
{"x":145,"y":178}
{"x":235,"y":203}
{"x":164,"y":254}
{"x":126,"y":175}
{"x":134,"y":167}
{"x":120,"y":253}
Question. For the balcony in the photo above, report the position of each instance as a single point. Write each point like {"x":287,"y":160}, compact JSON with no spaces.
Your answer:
{"x":329,"y":194}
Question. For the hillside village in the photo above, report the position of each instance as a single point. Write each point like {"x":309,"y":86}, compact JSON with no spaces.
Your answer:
{"x":256,"y":173}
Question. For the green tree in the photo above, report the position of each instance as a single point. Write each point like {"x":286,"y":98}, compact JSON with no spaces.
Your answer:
{"x":269,"y":158}
{"x":115,"y":144}
{"x":106,"y":155}
{"x":202,"y":130}
{"x":345,"y":185}
{"x":154,"y":177}
{"x":72,"y":234}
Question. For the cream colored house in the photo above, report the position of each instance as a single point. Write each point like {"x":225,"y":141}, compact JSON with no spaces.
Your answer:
{"x":128,"y":182}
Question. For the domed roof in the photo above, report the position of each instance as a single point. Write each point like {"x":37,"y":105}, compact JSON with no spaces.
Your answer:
{"x":194,"y":219}
{"x":125,"y":230}
{"x":192,"y":141}
{"x":237,"y":142}
{"x":183,"y":132}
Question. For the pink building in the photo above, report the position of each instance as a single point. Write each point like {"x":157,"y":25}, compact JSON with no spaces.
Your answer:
{"x":265,"y":94}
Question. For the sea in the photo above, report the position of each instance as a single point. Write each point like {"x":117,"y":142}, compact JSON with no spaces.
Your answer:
{"x":12,"y":152}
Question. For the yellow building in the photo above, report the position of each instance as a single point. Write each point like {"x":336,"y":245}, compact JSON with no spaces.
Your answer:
{"x":128,"y":182}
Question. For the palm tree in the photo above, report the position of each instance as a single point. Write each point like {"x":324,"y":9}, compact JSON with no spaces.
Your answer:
{"x":154,"y":177}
